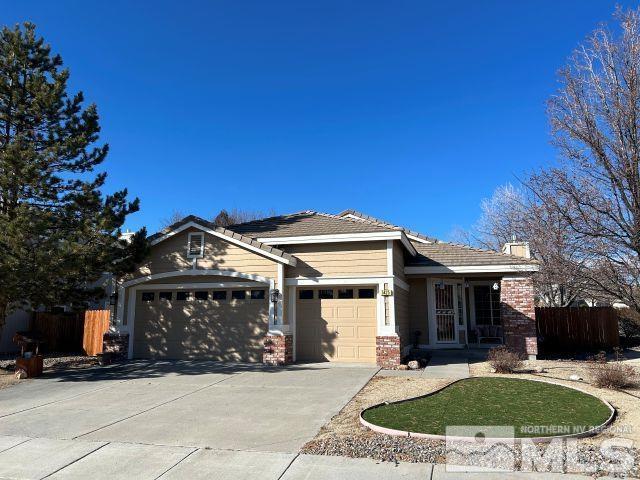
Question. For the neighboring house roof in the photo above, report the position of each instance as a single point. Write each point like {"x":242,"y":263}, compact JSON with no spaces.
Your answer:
{"x":305,"y":223}
{"x":224,"y":233}
{"x":452,"y":255}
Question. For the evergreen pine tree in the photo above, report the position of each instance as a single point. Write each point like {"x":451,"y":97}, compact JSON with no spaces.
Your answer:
{"x":58,"y":232}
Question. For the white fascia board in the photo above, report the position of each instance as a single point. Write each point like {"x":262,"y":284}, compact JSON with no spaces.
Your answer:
{"x":407,"y":244}
{"x":196,"y":272}
{"x":335,"y":238}
{"x":190,"y":286}
{"x":402,"y":284}
{"x":417,"y":239}
{"x":374,"y":280}
{"x":227,"y":238}
{"x":309,"y":281}
{"x":340,"y":238}
{"x":473,"y":269}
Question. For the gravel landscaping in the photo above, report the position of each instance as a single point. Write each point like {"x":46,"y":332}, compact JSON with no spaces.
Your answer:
{"x":344,"y":435}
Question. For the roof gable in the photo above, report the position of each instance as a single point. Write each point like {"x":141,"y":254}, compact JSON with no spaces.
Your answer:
{"x":230,"y":236}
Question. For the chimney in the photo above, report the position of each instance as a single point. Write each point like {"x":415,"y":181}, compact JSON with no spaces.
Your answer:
{"x":519,"y":249}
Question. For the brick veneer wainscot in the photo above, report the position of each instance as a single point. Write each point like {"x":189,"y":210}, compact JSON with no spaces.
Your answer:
{"x":278,"y":350}
{"x":518,"y":314}
{"x":117,"y":344}
{"x":388,"y":352}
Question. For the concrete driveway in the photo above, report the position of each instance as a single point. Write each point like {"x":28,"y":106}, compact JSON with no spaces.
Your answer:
{"x":169,"y":419}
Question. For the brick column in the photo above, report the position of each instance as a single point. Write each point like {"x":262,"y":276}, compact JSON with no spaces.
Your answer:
{"x":388,"y":351}
{"x":117,"y":344}
{"x":518,"y":314}
{"x":278,"y":350}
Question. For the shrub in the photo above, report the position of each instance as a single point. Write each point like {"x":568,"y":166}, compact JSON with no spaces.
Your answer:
{"x":629,"y":325}
{"x":614,"y":374}
{"x":504,"y":360}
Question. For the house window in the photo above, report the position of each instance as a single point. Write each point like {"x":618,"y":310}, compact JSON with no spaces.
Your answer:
{"x":257,"y":294}
{"x":345,"y":293}
{"x":219,"y":295}
{"x":325,"y":293}
{"x":305,"y":294}
{"x":147,"y":296}
{"x":167,"y":296}
{"x":238,"y":294}
{"x":183,"y":296}
{"x":195,"y":245}
{"x":486,"y":303}
{"x":366,"y":293}
{"x":203,"y":295}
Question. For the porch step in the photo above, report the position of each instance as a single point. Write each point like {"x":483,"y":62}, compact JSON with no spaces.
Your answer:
{"x":447,"y":364}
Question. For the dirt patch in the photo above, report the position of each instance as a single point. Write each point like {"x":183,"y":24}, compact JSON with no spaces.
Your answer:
{"x":51,"y":362}
{"x":378,"y":390}
{"x":7,"y":379}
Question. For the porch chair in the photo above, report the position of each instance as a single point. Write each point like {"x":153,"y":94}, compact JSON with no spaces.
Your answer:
{"x":489,"y":332}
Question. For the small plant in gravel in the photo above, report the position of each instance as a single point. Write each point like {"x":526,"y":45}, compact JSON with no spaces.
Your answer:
{"x":612,"y":374}
{"x":504,"y":360}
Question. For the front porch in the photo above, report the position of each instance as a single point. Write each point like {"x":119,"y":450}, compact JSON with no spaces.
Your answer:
{"x":478,"y":312}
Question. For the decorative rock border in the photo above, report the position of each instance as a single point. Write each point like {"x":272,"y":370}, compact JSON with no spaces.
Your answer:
{"x":402,"y":433}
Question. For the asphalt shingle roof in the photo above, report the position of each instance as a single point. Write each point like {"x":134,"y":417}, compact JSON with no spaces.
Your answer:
{"x":434,"y":253}
{"x":452,"y":255}
{"x":384,"y":223}
{"x":437,"y":253}
{"x":306,"y":223}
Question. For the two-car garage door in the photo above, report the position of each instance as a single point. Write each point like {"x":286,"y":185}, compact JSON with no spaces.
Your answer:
{"x":213,"y":324}
{"x":336,"y":324}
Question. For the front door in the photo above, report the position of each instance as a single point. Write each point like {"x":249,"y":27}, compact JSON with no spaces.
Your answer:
{"x":446,"y":312}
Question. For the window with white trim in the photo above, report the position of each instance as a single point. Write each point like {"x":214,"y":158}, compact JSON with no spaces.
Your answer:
{"x":195,"y":245}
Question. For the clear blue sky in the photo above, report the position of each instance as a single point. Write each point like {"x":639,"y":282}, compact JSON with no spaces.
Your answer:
{"x":412,"y":111}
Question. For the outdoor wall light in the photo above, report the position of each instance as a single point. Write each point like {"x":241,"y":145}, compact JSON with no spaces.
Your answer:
{"x":113,"y":299}
{"x":275,"y":295}
{"x":496,"y":286}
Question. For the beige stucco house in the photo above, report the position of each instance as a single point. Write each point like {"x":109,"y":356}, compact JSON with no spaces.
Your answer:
{"x":312,"y":286}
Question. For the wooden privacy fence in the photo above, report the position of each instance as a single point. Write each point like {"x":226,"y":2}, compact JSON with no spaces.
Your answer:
{"x":61,"y":332}
{"x":96,"y":324}
{"x":563,"y":329}
{"x":72,"y":332}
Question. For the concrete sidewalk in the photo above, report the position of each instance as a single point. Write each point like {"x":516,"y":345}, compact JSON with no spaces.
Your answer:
{"x":37,"y":458}
{"x":452,"y":364}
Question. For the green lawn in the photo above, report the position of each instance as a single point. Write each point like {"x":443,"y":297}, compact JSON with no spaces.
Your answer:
{"x":492,"y":401}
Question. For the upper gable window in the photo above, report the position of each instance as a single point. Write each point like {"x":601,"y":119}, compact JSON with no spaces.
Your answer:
{"x":195,"y":245}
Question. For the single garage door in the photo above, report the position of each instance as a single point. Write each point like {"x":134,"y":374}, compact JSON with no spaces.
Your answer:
{"x":222,"y":324}
{"x":336,"y":324}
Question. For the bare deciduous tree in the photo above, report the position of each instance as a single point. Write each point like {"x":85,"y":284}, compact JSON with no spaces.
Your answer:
{"x":513,"y":213}
{"x":175,"y":217}
{"x":596,"y":190}
{"x":233,"y":217}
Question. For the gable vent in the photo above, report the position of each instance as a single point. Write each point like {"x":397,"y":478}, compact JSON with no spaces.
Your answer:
{"x":195,"y":247}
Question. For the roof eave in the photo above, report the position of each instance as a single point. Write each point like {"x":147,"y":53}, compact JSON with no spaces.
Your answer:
{"x":442,"y":269}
